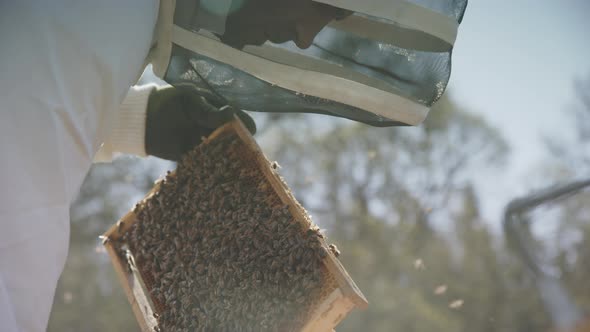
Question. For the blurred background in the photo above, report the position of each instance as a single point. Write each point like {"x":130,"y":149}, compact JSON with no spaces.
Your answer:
{"x":416,"y":212}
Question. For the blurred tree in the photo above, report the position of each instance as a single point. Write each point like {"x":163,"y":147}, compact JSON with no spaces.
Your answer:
{"x":573,"y":258}
{"x":570,"y":155}
{"x":561,"y":228}
{"x":572,"y":160}
{"x":397,"y":201}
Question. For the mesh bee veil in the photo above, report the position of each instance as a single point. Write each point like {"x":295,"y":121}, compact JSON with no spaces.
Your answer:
{"x":385,"y":64}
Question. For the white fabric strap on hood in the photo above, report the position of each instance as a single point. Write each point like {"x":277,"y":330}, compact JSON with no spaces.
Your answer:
{"x":404,"y":14}
{"x":308,"y":82}
{"x":391,"y":34}
{"x":412,"y":26}
{"x":159,"y":55}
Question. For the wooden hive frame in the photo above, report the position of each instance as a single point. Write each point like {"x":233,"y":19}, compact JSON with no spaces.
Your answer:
{"x":341,"y":298}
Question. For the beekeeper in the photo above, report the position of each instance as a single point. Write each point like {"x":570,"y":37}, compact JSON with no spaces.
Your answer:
{"x":67,"y":67}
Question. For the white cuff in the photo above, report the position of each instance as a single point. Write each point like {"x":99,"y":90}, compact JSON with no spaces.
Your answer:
{"x":128,"y":130}
{"x":128,"y":134}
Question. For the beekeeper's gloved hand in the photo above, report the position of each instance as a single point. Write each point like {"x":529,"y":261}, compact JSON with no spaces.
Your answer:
{"x":179,"y":117}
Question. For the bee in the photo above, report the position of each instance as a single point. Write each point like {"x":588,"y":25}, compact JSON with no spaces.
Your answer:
{"x":334,"y":250}
{"x":119,"y":226}
{"x":275,"y":165}
{"x":104,"y":239}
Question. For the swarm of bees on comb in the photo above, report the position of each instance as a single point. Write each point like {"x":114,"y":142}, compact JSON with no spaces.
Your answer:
{"x":218,"y":250}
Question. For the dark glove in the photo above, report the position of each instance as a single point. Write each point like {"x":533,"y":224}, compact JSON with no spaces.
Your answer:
{"x":179,"y":117}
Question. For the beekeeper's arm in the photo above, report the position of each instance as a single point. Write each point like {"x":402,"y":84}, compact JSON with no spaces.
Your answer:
{"x":166,"y":122}
{"x":128,"y":130}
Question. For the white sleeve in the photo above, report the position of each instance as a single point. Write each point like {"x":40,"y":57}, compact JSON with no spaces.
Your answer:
{"x":127,"y":134}
{"x":159,"y":54}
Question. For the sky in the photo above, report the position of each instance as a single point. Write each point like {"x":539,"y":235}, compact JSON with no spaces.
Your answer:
{"x":515,"y":62}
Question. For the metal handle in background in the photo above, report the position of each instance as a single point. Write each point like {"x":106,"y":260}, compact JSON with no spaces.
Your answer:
{"x":556,"y":299}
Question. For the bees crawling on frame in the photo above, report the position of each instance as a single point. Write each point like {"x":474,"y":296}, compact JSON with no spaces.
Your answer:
{"x":221,"y":251}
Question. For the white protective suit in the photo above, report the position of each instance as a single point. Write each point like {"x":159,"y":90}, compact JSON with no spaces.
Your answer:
{"x":65,"y":68}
